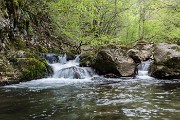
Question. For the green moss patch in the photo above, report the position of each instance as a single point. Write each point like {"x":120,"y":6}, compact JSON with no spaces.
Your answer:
{"x":32,"y":68}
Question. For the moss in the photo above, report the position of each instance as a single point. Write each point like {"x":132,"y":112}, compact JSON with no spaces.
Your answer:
{"x":15,"y":5}
{"x":21,"y":3}
{"x":32,"y":68}
{"x":86,"y":59}
{"x":5,"y":65}
{"x":41,"y":49}
{"x":19,"y":43}
{"x":125,"y":47}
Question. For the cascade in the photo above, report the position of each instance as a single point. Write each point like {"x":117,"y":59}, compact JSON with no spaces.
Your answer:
{"x":143,"y":70}
{"x":70,"y":69}
{"x":63,"y":59}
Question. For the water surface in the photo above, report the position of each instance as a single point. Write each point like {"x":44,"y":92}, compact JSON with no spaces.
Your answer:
{"x":61,"y":97}
{"x":75,"y":99}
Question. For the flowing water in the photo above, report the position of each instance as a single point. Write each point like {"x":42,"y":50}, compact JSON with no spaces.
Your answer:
{"x":76,"y":93}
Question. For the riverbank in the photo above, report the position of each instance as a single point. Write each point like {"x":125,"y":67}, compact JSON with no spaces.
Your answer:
{"x":110,"y":61}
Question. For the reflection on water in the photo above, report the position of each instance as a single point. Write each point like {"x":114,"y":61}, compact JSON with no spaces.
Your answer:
{"x":115,"y":99}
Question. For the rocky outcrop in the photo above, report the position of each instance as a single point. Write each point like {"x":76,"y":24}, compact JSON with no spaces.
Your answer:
{"x":86,"y":59}
{"x":8,"y":74}
{"x":166,"y":63}
{"x":32,"y":68}
{"x":22,"y":66}
{"x":141,"y":52}
{"x":24,"y":33}
{"x":113,"y":60}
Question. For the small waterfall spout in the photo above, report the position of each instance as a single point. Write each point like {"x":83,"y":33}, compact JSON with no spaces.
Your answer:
{"x":143,"y":70}
{"x":70,"y":69}
{"x":63,"y":59}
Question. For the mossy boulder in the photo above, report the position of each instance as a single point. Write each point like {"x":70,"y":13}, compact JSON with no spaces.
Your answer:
{"x":86,"y":59}
{"x":32,"y":68}
{"x":113,"y":60}
{"x":166,"y":63}
{"x":18,"y":66}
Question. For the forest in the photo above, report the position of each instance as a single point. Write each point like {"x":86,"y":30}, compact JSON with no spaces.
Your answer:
{"x":99,"y":22}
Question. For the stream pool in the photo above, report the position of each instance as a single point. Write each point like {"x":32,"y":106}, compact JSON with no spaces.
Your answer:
{"x":76,"y":99}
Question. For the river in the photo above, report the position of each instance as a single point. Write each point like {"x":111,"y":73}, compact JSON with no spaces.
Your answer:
{"x":140,"y":98}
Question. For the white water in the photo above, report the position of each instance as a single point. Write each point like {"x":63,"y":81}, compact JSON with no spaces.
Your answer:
{"x":68,"y":72}
{"x":64,"y":73}
{"x":70,"y":69}
{"x":143,"y":70}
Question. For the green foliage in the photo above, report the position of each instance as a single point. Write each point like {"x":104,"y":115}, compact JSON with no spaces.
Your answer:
{"x":99,"y":22}
{"x":103,"y":22}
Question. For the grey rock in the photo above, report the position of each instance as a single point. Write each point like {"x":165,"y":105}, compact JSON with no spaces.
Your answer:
{"x":166,"y":63}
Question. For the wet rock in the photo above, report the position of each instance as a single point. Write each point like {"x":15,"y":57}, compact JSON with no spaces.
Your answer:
{"x":52,"y":58}
{"x":76,"y":76}
{"x":70,"y":56}
{"x":99,"y":79}
{"x":115,"y":61}
{"x":166,"y":63}
{"x":110,"y":75}
{"x":86,"y":59}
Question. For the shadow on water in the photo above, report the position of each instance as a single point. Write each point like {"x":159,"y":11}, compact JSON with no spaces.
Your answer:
{"x":170,"y":86}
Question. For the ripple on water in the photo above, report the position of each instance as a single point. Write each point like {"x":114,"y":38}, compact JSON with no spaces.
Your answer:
{"x":86,"y":99}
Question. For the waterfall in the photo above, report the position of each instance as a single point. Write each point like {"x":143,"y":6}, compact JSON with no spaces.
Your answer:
{"x":70,"y":69}
{"x":63,"y":59}
{"x":143,"y":70}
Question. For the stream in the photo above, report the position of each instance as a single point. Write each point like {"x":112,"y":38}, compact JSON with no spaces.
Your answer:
{"x":76,"y":93}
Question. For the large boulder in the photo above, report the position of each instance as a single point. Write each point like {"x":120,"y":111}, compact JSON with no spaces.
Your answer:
{"x":113,"y":60}
{"x":32,"y":68}
{"x":141,"y":52}
{"x":166,"y":63}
